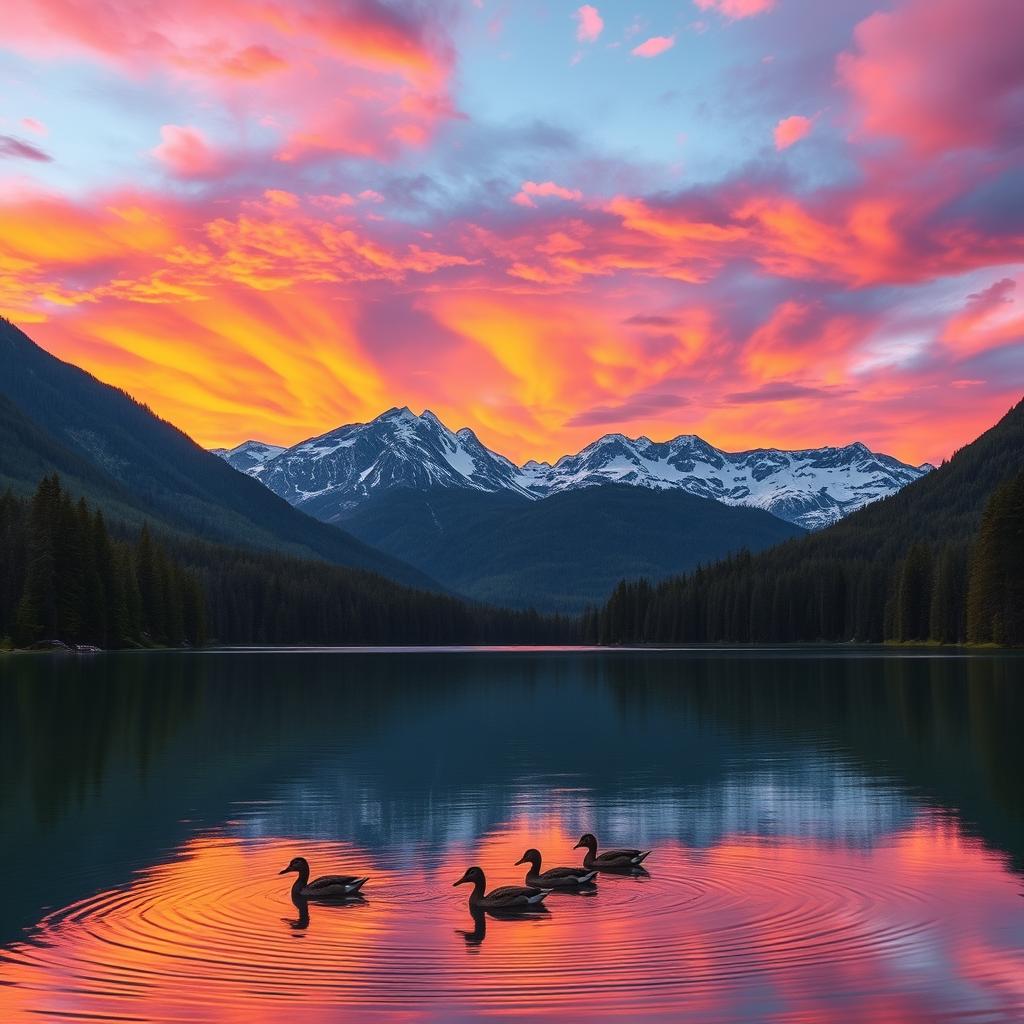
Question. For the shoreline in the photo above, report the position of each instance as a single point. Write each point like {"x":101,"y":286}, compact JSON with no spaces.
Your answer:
{"x":875,"y":649}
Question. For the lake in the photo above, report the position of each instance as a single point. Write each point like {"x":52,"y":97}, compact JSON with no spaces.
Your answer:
{"x":836,"y":836}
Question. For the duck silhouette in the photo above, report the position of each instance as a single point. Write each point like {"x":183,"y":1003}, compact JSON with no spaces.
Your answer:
{"x":506,"y":898}
{"x":554,"y":878}
{"x":327,"y":887}
{"x":611,"y":860}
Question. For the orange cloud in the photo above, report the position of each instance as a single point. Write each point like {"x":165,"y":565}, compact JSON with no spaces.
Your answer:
{"x":280,"y":313}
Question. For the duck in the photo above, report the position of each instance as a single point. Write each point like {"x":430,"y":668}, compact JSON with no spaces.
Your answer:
{"x":610,"y":860}
{"x":554,"y":878}
{"x":327,"y":887}
{"x":508,"y":897}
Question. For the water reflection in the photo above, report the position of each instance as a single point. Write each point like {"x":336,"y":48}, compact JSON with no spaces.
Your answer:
{"x":835,"y":838}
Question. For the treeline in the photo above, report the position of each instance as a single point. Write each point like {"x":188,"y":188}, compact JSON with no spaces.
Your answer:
{"x":963,"y":590}
{"x":64,"y":577}
{"x":258,"y":597}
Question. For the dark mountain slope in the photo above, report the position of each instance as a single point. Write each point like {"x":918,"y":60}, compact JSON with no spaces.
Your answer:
{"x":115,"y":446}
{"x":901,"y":569}
{"x":943,"y":507}
{"x":563,"y":552}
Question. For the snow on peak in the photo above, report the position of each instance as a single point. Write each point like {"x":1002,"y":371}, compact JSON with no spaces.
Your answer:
{"x":250,"y":456}
{"x":331,"y":474}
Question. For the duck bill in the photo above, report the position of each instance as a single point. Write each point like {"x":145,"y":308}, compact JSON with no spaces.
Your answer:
{"x":578,"y":846}
{"x":461,"y":881}
{"x":522,"y":860}
{"x":284,"y":871}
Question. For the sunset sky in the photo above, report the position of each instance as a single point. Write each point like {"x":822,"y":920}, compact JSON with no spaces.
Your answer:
{"x":768,"y":222}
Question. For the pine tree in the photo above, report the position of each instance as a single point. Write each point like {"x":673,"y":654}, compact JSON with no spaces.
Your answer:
{"x":150,"y":586}
{"x":913,"y":594}
{"x":37,"y":609}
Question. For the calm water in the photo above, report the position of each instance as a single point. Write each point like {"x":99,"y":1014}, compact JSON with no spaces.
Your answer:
{"x":836,"y":838}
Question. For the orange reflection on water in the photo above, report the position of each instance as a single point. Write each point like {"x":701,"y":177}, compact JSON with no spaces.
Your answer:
{"x":923,"y":927}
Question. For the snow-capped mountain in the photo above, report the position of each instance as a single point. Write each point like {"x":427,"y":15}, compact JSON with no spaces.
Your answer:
{"x":330,"y":475}
{"x":250,"y":456}
{"x":812,"y":488}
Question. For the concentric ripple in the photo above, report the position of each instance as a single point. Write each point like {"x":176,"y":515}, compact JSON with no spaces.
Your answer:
{"x":915,"y":930}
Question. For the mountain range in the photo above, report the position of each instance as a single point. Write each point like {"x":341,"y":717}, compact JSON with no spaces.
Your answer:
{"x":332,"y":475}
{"x":437,"y":509}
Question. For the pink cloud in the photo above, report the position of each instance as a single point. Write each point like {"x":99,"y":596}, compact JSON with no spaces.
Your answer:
{"x":34,"y":126}
{"x":186,"y":153}
{"x":589,"y":23}
{"x":332,"y":202}
{"x":939,"y":74}
{"x":532,"y":189}
{"x":654,"y":46}
{"x":356,"y":77}
{"x":736,"y":9}
{"x":792,"y":129}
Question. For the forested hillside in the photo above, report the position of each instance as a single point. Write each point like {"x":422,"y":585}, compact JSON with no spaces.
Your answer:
{"x":55,"y":417}
{"x":941,"y":560}
{"x":63,"y":577}
{"x":563,"y":552}
{"x":66,"y":575}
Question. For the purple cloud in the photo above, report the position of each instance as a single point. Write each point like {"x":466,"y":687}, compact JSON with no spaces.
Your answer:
{"x":643,"y":404}
{"x":782,"y":391}
{"x":17,"y":149}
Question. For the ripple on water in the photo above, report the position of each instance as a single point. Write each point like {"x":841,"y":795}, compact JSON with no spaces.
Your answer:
{"x":212,"y":933}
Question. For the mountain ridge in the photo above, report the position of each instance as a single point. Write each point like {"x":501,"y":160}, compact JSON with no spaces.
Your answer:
{"x":332,"y":474}
{"x":57,"y":417}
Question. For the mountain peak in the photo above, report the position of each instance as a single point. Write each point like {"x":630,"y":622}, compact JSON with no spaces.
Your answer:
{"x":331,"y":475}
{"x":402,"y":414}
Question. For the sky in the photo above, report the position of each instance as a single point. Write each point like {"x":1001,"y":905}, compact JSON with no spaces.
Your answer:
{"x":767,"y":222}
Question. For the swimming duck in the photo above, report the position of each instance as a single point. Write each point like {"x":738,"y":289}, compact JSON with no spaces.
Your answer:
{"x":327,"y":887}
{"x":610,"y":860}
{"x":508,"y":897}
{"x":554,"y":878}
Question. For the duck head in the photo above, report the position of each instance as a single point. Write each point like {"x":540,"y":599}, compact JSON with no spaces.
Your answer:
{"x":474,"y":875}
{"x":588,"y":842}
{"x":531,"y":856}
{"x":299,"y":864}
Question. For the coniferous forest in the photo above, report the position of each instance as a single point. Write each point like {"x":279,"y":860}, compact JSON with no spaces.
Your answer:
{"x":941,"y":561}
{"x":65,"y":575}
{"x":962,"y":590}
{"x":66,"y":578}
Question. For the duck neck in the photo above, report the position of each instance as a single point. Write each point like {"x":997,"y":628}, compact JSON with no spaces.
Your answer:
{"x":300,"y":881}
{"x":478,"y":891}
{"x":534,"y":867}
{"x":589,"y":855}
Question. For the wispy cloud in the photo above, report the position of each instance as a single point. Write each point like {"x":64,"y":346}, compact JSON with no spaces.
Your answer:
{"x":18,"y":149}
